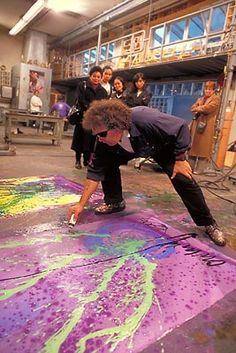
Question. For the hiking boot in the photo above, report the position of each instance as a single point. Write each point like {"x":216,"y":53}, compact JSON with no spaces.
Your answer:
{"x":216,"y":234}
{"x":110,"y":208}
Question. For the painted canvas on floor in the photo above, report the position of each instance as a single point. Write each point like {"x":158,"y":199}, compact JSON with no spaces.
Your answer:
{"x":30,"y":194}
{"x":114,"y":285}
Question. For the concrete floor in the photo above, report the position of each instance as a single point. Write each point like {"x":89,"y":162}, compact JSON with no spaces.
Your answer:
{"x":212,"y":329}
{"x":44,"y":159}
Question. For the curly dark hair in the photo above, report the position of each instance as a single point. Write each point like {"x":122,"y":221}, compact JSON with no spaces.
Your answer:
{"x":112,"y":113}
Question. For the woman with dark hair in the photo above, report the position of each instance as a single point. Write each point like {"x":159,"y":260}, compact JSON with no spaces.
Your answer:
{"x":137,"y":94}
{"x":119,"y":87}
{"x":87,"y":92}
{"x":107,"y":73}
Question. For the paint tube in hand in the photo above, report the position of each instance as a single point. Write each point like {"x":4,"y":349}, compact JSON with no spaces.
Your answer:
{"x":72,"y":220}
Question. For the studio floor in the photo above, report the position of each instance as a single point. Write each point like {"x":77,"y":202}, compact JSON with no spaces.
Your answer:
{"x":144,"y":280}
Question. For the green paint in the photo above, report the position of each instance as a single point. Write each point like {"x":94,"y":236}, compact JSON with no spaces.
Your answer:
{"x":54,"y":343}
{"x":164,"y":197}
{"x":129,"y":246}
{"x":32,"y":241}
{"x":61,"y":262}
{"x":57,"y":239}
{"x":118,"y":333}
{"x":95,"y":235}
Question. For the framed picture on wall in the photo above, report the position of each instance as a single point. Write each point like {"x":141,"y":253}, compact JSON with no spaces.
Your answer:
{"x":36,"y":81}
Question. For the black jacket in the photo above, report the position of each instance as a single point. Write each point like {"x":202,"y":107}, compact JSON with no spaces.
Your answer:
{"x":85,"y":95}
{"x":152,"y":133}
{"x":133,"y":100}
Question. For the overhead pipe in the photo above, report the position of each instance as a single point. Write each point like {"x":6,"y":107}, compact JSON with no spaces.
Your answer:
{"x":106,"y":16}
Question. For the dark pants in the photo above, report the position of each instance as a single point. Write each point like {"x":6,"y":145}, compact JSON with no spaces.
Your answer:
{"x":86,"y":156}
{"x":188,"y":190}
{"x":82,"y":142}
{"x":111,"y":186}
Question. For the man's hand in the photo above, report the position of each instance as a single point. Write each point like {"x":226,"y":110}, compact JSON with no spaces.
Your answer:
{"x":90,"y":187}
{"x":76,"y":210}
{"x":182,"y":167}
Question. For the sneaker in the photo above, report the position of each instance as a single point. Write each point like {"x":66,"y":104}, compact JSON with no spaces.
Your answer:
{"x":216,"y":234}
{"x":110,"y":208}
{"x":78,"y":165}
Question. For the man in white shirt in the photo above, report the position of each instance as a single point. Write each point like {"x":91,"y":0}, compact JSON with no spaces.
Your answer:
{"x":35,"y":103}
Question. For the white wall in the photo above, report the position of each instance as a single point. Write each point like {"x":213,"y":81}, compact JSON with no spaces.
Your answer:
{"x":10,"y":49}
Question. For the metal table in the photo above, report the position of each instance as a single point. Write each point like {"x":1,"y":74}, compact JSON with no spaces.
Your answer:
{"x":12,"y":118}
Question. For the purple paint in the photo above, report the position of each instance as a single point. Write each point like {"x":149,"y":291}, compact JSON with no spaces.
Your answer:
{"x":188,"y":278}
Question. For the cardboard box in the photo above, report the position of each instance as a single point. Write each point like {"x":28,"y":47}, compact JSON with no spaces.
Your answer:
{"x":230,"y":159}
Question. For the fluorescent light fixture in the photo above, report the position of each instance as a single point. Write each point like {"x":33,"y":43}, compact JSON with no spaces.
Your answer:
{"x":28,"y":16}
{"x":17,"y":28}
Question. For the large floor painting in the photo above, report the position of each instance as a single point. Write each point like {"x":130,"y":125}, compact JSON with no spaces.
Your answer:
{"x":115,"y":283}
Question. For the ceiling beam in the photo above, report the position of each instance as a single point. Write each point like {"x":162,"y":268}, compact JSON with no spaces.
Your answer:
{"x":106,"y":16}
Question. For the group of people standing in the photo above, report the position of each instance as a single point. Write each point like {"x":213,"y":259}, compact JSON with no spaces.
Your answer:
{"x":98,"y":87}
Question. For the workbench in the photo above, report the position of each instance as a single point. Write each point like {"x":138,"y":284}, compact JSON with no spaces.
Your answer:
{"x":12,"y":120}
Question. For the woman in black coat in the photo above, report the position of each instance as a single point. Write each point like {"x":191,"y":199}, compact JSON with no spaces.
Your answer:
{"x":137,"y":94}
{"x":87,"y":92}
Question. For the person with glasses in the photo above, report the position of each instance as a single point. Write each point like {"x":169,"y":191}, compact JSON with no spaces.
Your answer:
{"x":122,"y":134}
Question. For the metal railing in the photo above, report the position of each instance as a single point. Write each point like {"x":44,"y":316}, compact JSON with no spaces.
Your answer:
{"x":136,"y":49}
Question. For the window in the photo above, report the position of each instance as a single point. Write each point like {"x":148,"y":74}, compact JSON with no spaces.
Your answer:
{"x":85,"y":70}
{"x":197,"y":24}
{"x":177,"y":89}
{"x":168,"y":90}
{"x":86,"y":57}
{"x":159,"y":90}
{"x":176,"y":31}
{"x":158,"y":36}
{"x":187,"y":88}
{"x":197,"y":89}
{"x":214,"y":39}
{"x":103,"y":52}
{"x":162,"y":104}
{"x":111,"y":48}
{"x":218,"y":18}
{"x":93,"y":54}
{"x":151,"y":88}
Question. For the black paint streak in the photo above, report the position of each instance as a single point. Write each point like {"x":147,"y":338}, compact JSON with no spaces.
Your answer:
{"x":208,"y":258}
